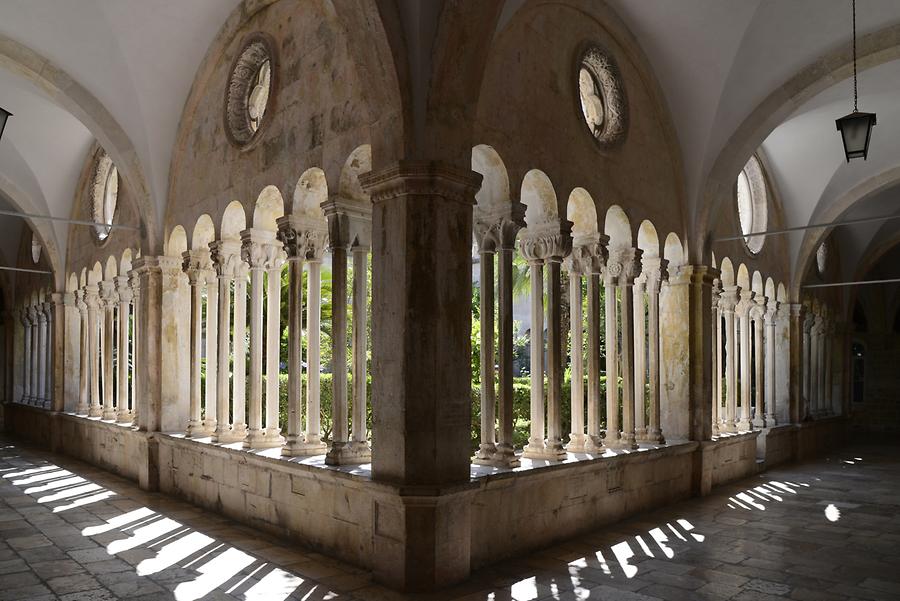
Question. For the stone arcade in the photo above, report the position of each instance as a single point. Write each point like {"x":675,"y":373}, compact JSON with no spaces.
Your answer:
{"x":423,"y":288}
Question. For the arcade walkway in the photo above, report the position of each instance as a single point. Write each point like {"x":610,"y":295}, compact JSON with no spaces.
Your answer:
{"x":818,"y":531}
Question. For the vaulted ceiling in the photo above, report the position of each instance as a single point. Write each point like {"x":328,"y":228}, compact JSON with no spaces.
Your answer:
{"x":716,"y":62}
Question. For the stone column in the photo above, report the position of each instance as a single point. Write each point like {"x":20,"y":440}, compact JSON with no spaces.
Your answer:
{"x":717,"y":356}
{"x":829,"y":337}
{"x":108,"y":297}
{"x":594,"y":443}
{"x":84,"y":380}
{"x":210,"y":417}
{"x":313,"y":444}
{"x":340,"y":432}
{"x":239,"y":355}
{"x":535,"y":447}
{"x":770,"y":313}
{"x":41,"y":359}
{"x":274,"y":261}
{"x":124,"y":294}
{"x":134,"y":280}
{"x":195,"y":269}
{"x":506,"y":231}
{"x":34,"y":360}
{"x":304,"y":238}
{"x":71,"y":352}
{"x":486,"y":249}
{"x":359,"y":444}
{"x":631,"y":266}
{"x":743,"y":312}
{"x":612,"y":357}
{"x":806,"y":399}
{"x":727,"y":304}
{"x":47,"y":308}
{"x":255,"y":252}
{"x":225,"y":260}
{"x":93,"y":300}
{"x":577,"y":437}
{"x":654,"y":272}
{"x":757,"y":315}
{"x":639,"y":313}
{"x":546,"y":244}
{"x":26,"y":371}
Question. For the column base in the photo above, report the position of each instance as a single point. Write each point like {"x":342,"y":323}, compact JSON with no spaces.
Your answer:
{"x":81,"y":410}
{"x":195,"y":430}
{"x":109,"y":415}
{"x":485,"y":453}
{"x":744,"y":426}
{"x":640,"y":433}
{"x":348,"y":453}
{"x":262,"y":439}
{"x":505,"y":457}
{"x":125,"y":417}
{"x":594,"y":445}
{"x":95,"y":411}
{"x":727,"y":427}
{"x":547,"y":452}
{"x":225,"y":435}
{"x":759,"y":422}
{"x":577,"y":443}
{"x":654,"y":437}
{"x":209,"y":427}
{"x":771,"y":421}
{"x":624,"y":444}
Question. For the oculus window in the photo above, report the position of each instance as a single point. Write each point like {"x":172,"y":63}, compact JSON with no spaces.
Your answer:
{"x":752,"y":204}
{"x":104,"y":195}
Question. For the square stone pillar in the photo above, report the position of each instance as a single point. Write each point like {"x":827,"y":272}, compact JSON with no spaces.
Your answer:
{"x":675,"y":362}
{"x":422,"y":286}
{"x":700,"y":353}
{"x":71,"y":357}
{"x":149,"y":364}
{"x":57,"y":354}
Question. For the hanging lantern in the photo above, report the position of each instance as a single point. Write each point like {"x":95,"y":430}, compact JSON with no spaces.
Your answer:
{"x":4,"y":115}
{"x":856,"y":128}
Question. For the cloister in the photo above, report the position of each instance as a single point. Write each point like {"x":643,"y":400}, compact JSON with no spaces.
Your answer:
{"x":426,"y":288}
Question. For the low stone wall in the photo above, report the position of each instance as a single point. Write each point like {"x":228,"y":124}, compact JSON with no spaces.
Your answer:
{"x":734,"y":457}
{"x":777,"y":445}
{"x":351,"y":517}
{"x":516,"y":511}
{"x":326,"y":510}
{"x":821,"y":436}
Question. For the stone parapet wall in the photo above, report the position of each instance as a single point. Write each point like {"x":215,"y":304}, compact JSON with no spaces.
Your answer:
{"x":516,"y":511}
{"x":734,"y":457}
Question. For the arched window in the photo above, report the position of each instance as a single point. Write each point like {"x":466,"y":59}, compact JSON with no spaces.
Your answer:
{"x":822,"y":258}
{"x":35,"y":248}
{"x":858,"y":364}
{"x":752,"y":204}
{"x":105,"y":193}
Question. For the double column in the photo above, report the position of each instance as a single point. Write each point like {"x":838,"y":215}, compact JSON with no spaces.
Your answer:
{"x":196,"y":264}
{"x":546,"y":244}
{"x":716,"y":357}
{"x":495,"y":234}
{"x":92,"y":300}
{"x":808,"y":364}
{"x":303,"y":238}
{"x":653,"y":273}
{"x":124,"y":411}
{"x":742,"y":309}
{"x":229,"y":268}
{"x":619,"y":275}
{"x":587,"y":261}
{"x":46,"y":359}
{"x":264,"y":254}
{"x":757,"y":315}
{"x":108,"y":300}
{"x":728,"y":300}
{"x":349,"y":228}
{"x":770,"y":316}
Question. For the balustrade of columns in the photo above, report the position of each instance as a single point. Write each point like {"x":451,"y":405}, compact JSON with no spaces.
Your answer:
{"x":587,"y":261}
{"x":770,"y":318}
{"x":757,"y":316}
{"x":546,"y":244}
{"x":742,"y":311}
{"x":226,"y":260}
{"x":495,"y":233}
{"x":647,"y":349}
{"x":717,"y":409}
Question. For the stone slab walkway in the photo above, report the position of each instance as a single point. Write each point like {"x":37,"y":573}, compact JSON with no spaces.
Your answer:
{"x":819,"y":531}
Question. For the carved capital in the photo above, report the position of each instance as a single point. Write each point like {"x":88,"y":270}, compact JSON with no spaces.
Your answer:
{"x":728,"y":299}
{"x":497,"y":229}
{"x":126,"y":295}
{"x":588,"y":255}
{"x":195,"y":263}
{"x":622,"y":266}
{"x":771,"y":315}
{"x":654,"y":271}
{"x":225,"y":256}
{"x":422,"y":178}
{"x":546,"y":242}
{"x":303,"y":239}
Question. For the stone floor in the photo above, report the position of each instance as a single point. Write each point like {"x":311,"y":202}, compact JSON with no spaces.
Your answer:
{"x":817,"y":531}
